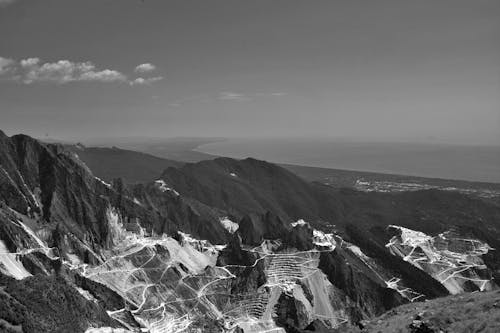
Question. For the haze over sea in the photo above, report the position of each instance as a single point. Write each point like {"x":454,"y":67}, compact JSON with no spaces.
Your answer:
{"x":473,"y":163}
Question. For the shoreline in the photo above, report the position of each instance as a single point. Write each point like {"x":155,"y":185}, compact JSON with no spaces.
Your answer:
{"x":328,"y":169}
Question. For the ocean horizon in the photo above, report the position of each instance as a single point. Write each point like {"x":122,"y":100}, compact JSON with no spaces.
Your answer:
{"x":433,"y":160}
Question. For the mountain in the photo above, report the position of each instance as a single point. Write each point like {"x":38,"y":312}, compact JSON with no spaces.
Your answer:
{"x":477,"y":312}
{"x":244,"y":187}
{"x":223,"y":246}
{"x":131,"y":166}
{"x":175,"y":148}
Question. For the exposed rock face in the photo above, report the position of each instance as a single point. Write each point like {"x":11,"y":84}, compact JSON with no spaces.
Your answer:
{"x":54,"y":188}
{"x":454,"y":260}
{"x":371,"y":295}
{"x":48,"y":185}
{"x":220,"y":246}
{"x":255,"y":229}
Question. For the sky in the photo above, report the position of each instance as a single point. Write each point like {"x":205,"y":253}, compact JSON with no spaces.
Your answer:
{"x":426,"y":70}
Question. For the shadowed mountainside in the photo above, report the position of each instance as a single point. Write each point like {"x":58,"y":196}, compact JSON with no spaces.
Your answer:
{"x":250,"y":186}
{"x":47,"y":304}
{"x":132,"y":166}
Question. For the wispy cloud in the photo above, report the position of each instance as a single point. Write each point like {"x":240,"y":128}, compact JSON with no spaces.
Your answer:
{"x":145,"y":68}
{"x":226,"y":96}
{"x":6,"y":65}
{"x":33,"y":70}
{"x":145,"y":81}
{"x":242,"y":97}
{"x":232,"y":96}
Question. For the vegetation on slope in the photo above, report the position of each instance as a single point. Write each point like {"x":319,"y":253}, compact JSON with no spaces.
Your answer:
{"x":42,"y":303}
{"x":473,"y":312}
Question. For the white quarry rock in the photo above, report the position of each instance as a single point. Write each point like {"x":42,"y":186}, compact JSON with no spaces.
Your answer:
{"x":229,"y":225}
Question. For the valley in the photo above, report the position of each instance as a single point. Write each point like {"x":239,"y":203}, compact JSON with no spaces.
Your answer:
{"x":237,"y":166}
{"x":227,"y":245}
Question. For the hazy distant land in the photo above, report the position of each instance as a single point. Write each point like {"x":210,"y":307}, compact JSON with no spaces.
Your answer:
{"x":112,"y":162}
{"x":471,"y":163}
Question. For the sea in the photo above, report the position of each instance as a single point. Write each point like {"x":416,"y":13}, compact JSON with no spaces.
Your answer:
{"x":472,"y":163}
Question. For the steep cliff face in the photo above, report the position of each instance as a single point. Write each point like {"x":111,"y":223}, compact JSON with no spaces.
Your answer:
{"x":176,"y":212}
{"x":222,"y":246}
{"x":453,"y":259}
{"x":59,"y":195}
{"x":51,"y":187}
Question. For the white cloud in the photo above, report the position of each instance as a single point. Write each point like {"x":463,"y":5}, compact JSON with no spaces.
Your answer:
{"x":30,"y":62}
{"x":145,"y":68}
{"x":145,"y":81}
{"x":106,"y":75}
{"x":33,"y":70}
{"x":65,"y":71}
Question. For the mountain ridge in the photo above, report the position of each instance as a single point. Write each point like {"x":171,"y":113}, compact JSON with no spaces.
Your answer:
{"x":239,"y":244}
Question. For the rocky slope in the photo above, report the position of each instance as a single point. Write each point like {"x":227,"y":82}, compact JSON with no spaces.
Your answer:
{"x":471,"y":312}
{"x":223,"y":246}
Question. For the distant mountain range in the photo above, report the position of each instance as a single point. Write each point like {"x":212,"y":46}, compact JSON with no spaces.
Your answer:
{"x":136,"y":166}
{"x":111,"y":163}
{"x":105,"y":239}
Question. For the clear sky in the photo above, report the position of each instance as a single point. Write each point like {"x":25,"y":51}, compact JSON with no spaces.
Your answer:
{"x":385,"y":69}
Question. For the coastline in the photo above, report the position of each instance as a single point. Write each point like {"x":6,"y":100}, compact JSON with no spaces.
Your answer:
{"x":401,"y":154}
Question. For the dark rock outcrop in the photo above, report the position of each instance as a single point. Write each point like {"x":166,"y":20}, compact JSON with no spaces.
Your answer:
{"x":47,"y":304}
